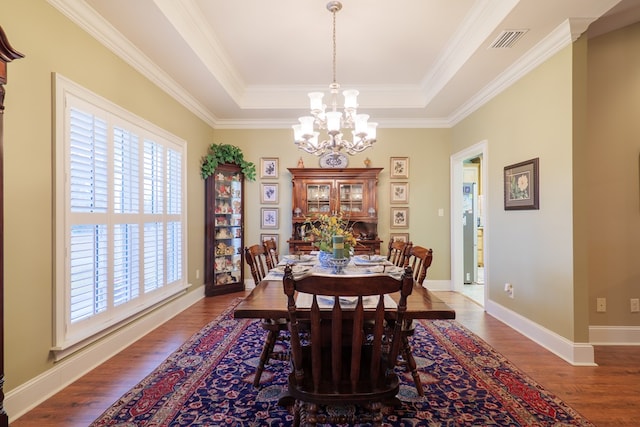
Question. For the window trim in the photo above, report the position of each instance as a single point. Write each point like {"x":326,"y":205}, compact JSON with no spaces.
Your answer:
{"x":67,"y":337}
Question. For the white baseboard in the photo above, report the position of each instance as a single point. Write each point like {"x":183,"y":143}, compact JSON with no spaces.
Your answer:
{"x":30,"y":394}
{"x":437,"y":285}
{"x":614,"y":335}
{"x":577,"y":354}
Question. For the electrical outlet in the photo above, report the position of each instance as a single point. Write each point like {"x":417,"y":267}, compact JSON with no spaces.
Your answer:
{"x":508,"y":288}
{"x":197,"y":273}
{"x":601,"y":305}
{"x":635,"y":305}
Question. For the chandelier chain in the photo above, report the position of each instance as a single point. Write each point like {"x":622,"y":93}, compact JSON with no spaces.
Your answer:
{"x":334,"y":47}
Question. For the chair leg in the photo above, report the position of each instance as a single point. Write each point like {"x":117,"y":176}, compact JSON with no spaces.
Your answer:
{"x":376,"y":413}
{"x":296,"y":414}
{"x":411,"y":363}
{"x":267,"y":349}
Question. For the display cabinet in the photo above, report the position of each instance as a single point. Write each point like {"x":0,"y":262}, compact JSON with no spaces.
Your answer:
{"x":350,"y":191}
{"x":224,"y":231}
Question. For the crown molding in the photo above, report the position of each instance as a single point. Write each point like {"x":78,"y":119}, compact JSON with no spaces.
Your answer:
{"x":93,"y":24}
{"x":562,"y":36}
{"x":480,"y":22}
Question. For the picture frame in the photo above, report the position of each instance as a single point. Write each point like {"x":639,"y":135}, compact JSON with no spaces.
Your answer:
{"x":276,"y":237}
{"x":269,"y":193}
{"x":399,"y":237}
{"x":399,"y":168}
{"x":399,"y":192}
{"x":269,"y":217}
{"x":521,"y":185}
{"x":269,"y":168}
{"x":400,"y":217}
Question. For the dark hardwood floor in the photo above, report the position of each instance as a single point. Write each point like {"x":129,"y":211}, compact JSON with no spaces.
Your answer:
{"x":607,"y":394}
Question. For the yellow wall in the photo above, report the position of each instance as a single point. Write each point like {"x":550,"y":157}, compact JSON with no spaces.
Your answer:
{"x":531,"y":249}
{"x":614,"y":197}
{"x":51,"y":43}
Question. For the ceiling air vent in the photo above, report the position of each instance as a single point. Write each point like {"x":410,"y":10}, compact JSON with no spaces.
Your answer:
{"x":507,"y":39}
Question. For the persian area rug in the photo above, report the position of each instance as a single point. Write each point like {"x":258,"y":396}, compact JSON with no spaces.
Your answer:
{"x":208,"y":382}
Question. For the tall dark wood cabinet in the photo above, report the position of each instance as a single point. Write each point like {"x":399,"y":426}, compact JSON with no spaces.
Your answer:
{"x":7,"y":54}
{"x":224,"y":231}
{"x":350,"y":191}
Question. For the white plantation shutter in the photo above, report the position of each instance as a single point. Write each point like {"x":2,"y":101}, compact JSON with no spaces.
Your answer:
{"x":120,"y":216}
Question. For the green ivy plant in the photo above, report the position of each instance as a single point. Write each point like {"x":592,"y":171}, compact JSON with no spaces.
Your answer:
{"x":225,"y":153}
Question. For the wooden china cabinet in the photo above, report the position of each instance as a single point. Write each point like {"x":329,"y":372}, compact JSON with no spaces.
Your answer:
{"x":7,"y":54}
{"x":224,"y":231}
{"x":350,"y":191}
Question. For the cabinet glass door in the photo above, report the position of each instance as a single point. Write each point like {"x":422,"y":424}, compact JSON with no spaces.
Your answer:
{"x":318,"y":198}
{"x":351,"y":198}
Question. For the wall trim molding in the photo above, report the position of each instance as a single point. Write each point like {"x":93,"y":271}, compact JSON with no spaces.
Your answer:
{"x":30,"y":394}
{"x":437,"y":285}
{"x":614,"y":335}
{"x":575,"y":353}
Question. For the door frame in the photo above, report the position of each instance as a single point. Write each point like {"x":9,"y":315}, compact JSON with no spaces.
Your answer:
{"x":480,"y":149}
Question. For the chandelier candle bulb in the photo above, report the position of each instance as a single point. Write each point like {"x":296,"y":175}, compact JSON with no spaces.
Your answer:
{"x":338,"y":247}
{"x":350,"y":99}
{"x":315,"y":99}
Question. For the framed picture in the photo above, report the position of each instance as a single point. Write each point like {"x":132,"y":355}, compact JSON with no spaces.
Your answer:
{"x":268,"y":193}
{"x":521,"y":185}
{"x":399,"y":168}
{"x":269,"y":217}
{"x":399,"y":192}
{"x":265,"y":237}
{"x":399,"y":237}
{"x":269,"y":167}
{"x":400,"y":217}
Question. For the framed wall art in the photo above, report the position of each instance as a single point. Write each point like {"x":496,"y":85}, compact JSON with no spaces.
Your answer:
{"x":269,"y":217}
{"x":399,"y":237}
{"x":400,"y":217}
{"x":265,"y":237}
{"x":399,"y":168}
{"x":399,"y":192}
{"x":521,"y":190}
{"x":269,"y":167}
{"x":268,"y":193}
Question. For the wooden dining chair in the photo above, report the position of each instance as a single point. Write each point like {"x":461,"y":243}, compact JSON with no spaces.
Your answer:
{"x":347,"y":353}
{"x":305,"y":248}
{"x":271,"y":251}
{"x":419,"y":259}
{"x":257,"y":259}
{"x":398,"y":251}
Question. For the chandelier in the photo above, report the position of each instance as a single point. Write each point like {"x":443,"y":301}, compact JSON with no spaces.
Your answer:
{"x":306,"y":134}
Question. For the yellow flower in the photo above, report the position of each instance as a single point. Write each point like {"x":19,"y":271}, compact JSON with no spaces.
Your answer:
{"x":324,"y":227}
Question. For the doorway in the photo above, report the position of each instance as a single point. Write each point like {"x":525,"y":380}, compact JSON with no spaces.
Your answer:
{"x":469,"y":222}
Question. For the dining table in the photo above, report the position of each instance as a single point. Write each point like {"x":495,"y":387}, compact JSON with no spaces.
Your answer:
{"x":267,"y":299}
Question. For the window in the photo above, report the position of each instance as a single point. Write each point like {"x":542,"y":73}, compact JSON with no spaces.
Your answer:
{"x":120,"y":216}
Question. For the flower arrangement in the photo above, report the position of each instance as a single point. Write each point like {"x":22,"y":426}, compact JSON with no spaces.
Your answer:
{"x":324,"y":227}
